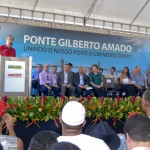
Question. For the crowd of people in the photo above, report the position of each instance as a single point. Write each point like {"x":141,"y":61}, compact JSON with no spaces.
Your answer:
{"x":83,"y":83}
{"x":96,"y":136}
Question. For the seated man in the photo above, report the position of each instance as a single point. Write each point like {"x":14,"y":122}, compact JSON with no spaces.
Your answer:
{"x":147,"y":73}
{"x":137,"y":132}
{"x":81,"y":82}
{"x":35,"y":79}
{"x":146,"y":76}
{"x":112,"y":75}
{"x":73,"y":120}
{"x":65,"y":81}
{"x":148,"y":82}
{"x":89,"y":71}
{"x":133,"y":73}
{"x":46,"y":81}
{"x":70,"y":67}
{"x":84,"y":70}
{"x":54,"y":75}
{"x":139,"y":80}
{"x":100,"y":70}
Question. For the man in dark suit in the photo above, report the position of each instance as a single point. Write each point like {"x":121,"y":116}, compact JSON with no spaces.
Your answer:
{"x":70,"y":68}
{"x":81,"y":82}
{"x":65,"y":81}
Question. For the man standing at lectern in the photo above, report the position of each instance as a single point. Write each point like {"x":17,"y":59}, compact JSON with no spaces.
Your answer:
{"x":7,"y":50}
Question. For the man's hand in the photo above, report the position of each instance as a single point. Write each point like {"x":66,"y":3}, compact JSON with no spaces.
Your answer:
{"x":1,"y":121}
{"x":85,"y":86}
{"x":9,"y":120}
{"x":68,"y":85}
{"x":1,"y":124}
{"x":99,"y":86}
{"x":65,"y":84}
{"x":49,"y":88}
{"x":81,"y":86}
{"x":55,"y":85}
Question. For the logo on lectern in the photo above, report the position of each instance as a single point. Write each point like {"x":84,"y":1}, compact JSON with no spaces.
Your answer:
{"x":14,"y":75}
{"x":14,"y":67}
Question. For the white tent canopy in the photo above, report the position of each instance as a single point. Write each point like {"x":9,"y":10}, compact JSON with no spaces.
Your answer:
{"x":123,"y":15}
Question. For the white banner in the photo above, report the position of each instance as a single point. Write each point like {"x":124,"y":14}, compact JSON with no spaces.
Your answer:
{"x":14,"y":76}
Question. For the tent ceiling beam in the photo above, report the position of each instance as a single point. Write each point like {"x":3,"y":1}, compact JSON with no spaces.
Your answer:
{"x":75,"y":19}
{"x":87,"y":16}
{"x":140,"y":11}
{"x":73,"y":27}
{"x":36,"y":2}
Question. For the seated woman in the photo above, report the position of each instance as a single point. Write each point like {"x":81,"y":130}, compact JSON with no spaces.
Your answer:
{"x":96,"y":81}
{"x":126,"y":83}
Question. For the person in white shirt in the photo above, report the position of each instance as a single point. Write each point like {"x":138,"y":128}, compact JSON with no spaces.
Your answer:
{"x":126,"y":84}
{"x":72,"y":120}
{"x":137,"y":132}
{"x":146,"y":102}
{"x":112,"y":74}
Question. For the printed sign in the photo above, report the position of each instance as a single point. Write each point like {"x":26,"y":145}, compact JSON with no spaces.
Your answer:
{"x":14,"y":76}
{"x":47,"y":45}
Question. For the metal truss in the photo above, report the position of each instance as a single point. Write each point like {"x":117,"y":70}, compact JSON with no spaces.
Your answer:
{"x":59,"y":21}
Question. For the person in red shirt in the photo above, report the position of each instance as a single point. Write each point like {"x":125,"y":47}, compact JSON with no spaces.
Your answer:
{"x":7,"y":50}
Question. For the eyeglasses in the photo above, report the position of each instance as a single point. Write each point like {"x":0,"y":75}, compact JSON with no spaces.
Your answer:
{"x":47,"y":78}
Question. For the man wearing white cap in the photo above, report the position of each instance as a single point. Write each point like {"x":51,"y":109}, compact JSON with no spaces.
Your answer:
{"x":72,"y":120}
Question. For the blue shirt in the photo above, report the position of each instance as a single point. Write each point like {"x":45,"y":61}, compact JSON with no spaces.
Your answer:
{"x":35,"y":74}
{"x":139,"y":79}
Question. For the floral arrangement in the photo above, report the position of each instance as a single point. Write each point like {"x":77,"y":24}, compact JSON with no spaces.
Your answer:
{"x":36,"y":109}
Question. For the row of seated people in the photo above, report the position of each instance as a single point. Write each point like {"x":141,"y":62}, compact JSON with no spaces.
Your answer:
{"x":77,"y":84}
{"x":134,"y":84}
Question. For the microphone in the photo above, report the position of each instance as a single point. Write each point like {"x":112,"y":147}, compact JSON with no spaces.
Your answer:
{"x":3,"y":51}
{"x":7,"y":48}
